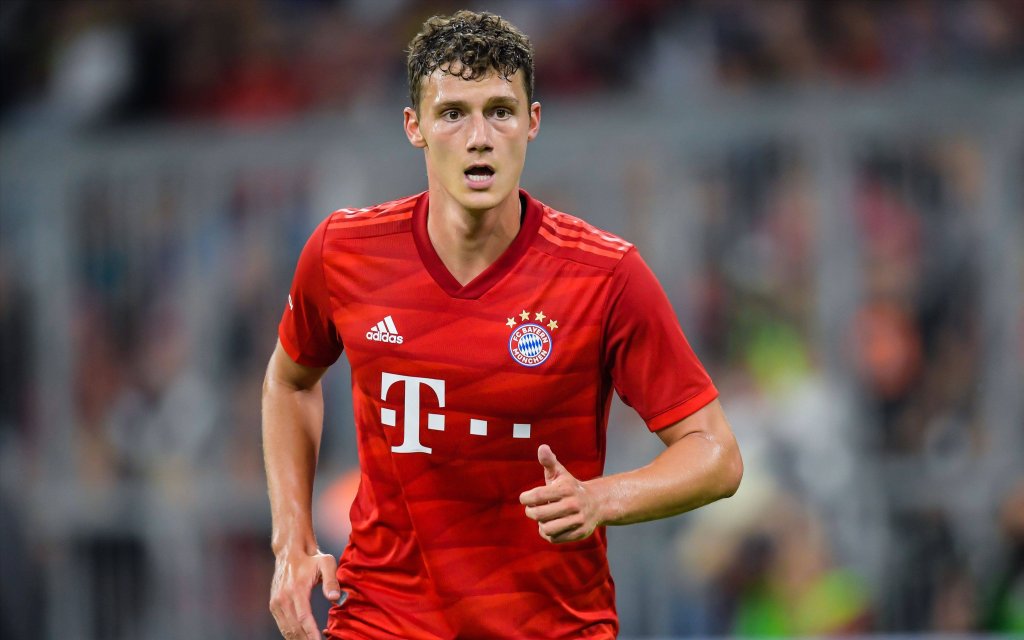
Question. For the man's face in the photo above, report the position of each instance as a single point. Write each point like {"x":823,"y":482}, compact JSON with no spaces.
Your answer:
{"x":474,"y":135}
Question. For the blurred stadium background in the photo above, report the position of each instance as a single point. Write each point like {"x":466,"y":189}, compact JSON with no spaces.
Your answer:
{"x":831,"y":192}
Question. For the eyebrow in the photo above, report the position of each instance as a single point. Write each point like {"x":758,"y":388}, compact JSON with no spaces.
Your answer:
{"x":462,"y":104}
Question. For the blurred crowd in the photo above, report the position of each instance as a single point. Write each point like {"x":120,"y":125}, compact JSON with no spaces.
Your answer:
{"x":111,"y":61}
{"x":876,"y":450}
{"x":877,"y":495}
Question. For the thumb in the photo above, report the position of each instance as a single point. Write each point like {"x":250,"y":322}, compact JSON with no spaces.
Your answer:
{"x":332,"y":590}
{"x":552,"y":467}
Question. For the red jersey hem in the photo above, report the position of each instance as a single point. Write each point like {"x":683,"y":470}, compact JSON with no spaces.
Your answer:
{"x":682,"y":410}
{"x":296,"y":354}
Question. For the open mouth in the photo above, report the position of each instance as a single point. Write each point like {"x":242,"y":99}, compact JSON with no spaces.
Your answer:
{"x":480,"y":173}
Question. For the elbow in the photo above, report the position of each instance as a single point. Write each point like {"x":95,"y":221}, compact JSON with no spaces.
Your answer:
{"x":728,"y":471}
{"x":732,"y":471}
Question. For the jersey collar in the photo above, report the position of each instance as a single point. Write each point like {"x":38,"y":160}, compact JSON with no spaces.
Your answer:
{"x":492,"y":274}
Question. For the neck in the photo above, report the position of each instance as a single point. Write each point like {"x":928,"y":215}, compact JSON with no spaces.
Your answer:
{"x":470,"y":241}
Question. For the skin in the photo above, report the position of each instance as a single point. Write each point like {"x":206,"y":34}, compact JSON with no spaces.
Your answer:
{"x":293,"y":410}
{"x":700,"y":464}
{"x":459,"y":124}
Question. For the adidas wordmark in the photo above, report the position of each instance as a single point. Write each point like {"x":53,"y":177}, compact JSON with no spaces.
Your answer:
{"x":385,"y":331}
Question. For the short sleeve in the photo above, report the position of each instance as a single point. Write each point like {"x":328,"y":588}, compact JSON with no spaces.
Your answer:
{"x":307,"y":331}
{"x":652,"y":366}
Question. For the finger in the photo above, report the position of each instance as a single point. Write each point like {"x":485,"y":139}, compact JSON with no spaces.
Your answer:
{"x":543,"y":495}
{"x":284,"y":616}
{"x":328,"y":567}
{"x":572,"y":535}
{"x":309,"y":630}
{"x":300,"y":622}
{"x":558,"y":528}
{"x":547,"y":459}
{"x":290,"y":624}
{"x":552,"y":511}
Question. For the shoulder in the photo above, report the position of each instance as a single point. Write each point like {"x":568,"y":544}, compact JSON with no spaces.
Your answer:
{"x":394,"y":216}
{"x":566,"y":236}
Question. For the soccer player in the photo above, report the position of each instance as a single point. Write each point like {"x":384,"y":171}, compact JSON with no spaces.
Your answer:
{"x":485,"y":332}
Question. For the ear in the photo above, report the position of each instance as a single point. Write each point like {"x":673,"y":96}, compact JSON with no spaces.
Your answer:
{"x":534,"y":121}
{"x":412,"y":128}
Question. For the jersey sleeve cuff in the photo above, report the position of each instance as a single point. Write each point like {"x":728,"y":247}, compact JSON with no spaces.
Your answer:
{"x":682,"y":410}
{"x":296,"y":354}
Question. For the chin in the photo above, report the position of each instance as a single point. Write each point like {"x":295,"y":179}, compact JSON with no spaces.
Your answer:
{"x":481,"y":200}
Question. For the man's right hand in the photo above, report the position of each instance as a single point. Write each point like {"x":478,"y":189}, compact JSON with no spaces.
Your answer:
{"x":295,"y":575}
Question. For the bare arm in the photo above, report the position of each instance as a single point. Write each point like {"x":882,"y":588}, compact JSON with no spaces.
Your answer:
{"x":701,"y":464}
{"x":293,"y":411}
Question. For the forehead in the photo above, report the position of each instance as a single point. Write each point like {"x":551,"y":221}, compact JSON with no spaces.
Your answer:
{"x":439,"y":87}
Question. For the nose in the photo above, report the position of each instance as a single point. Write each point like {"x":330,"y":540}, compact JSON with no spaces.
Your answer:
{"x":479,"y":138}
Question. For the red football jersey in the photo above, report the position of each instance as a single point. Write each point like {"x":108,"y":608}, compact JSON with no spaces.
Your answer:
{"x":455,"y":387}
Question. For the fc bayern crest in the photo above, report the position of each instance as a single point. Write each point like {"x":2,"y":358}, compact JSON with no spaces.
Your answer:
{"x":530,"y":345}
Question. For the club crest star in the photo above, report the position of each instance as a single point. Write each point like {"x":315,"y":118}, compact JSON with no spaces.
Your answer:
{"x":511,"y":323}
{"x":539,"y":316}
{"x":553,"y":325}
{"x":525,"y":315}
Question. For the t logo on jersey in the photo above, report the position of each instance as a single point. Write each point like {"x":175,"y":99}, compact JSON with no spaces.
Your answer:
{"x":411,"y":419}
{"x":435,"y":421}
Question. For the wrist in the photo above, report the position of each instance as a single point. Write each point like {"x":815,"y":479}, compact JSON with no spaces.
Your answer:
{"x":606,"y":505}
{"x":304,"y":545}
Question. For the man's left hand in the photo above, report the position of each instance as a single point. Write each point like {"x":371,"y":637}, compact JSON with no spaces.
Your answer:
{"x":565,"y":508}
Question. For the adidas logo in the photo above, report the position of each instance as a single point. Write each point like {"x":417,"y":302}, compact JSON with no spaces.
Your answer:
{"x":385,"y":331}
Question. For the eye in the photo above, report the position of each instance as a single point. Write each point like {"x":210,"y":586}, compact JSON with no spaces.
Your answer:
{"x":451,"y":115}
{"x":502,"y":113}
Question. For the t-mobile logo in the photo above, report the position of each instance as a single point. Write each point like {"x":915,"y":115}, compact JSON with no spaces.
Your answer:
{"x":411,"y":420}
{"x":435,"y":421}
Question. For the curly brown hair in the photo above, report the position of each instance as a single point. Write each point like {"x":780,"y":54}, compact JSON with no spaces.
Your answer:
{"x":478,"y":42}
